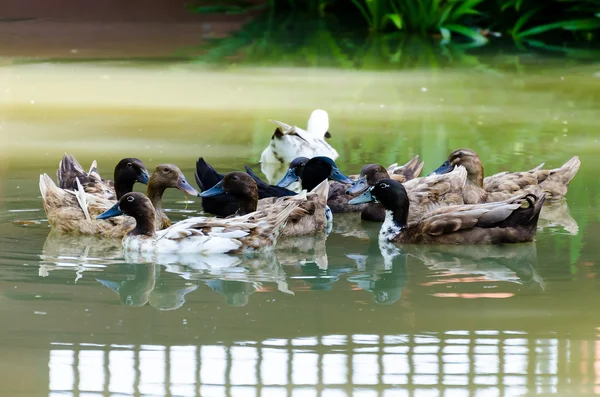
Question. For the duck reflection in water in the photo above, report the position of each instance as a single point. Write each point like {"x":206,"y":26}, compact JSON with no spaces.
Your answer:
{"x":141,"y":284}
{"x":384,"y":276}
{"x":82,"y":253}
{"x":132,"y":282}
{"x":469,"y":266}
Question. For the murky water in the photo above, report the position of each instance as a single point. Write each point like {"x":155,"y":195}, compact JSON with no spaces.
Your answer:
{"x":321,"y":316}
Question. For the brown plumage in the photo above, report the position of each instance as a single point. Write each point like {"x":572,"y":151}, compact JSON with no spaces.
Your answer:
{"x":503,"y":185}
{"x":307,"y":218}
{"x":257,"y":231}
{"x":424,"y":193}
{"x":510,"y":221}
{"x":74,"y":211}
{"x":126,"y":173}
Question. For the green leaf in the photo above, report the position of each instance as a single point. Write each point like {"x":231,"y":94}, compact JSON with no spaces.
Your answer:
{"x":468,"y":32}
{"x":467,"y":7}
{"x":583,"y":24}
{"x":396,"y":20}
{"x":523,"y":20}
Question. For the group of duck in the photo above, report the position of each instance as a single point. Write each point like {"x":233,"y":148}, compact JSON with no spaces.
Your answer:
{"x":455,"y":204}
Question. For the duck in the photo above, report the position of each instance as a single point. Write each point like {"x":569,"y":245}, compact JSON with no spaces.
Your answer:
{"x":253,"y":233}
{"x":225,"y":205}
{"x":127,"y":171}
{"x":510,"y":221}
{"x":314,"y":171}
{"x":503,"y":185}
{"x":424,"y":193}
{"x":309,"y":172}
{"x":310,"y":217}
{"x":71,"y":211}
{"x":289,"y":142}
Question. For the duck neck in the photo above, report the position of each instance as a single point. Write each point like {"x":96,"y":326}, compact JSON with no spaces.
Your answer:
{"x":155,"y":193}
{"x":122,"y":185}
{"x":395,"y":221}
{"x":475,"y":177}
{"x":247,"y":203}
{"x":144,"y":224}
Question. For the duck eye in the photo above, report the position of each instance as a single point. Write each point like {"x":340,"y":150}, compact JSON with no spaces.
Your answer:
{"x":234,"y":178}
{"x":460,"y":154}
{"x":130,"y":199}
{"x":129,"y":165}
{"x":166,"y":170}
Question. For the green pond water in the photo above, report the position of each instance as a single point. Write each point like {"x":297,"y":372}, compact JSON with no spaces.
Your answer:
{"x":321,"y":316}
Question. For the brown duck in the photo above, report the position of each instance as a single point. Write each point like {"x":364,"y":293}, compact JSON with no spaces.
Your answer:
{"x":74,"y":211}
{"x":309,"y":216}
{"x":503,"y":185}
{"x":127,"y":172}
{"x":510,"y":221}
{"x":424,"y":193}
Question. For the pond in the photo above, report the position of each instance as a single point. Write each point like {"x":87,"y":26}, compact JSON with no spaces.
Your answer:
{"x":321,"y":316}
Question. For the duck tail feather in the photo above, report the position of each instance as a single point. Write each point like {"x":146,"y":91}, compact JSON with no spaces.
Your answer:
{"x":258,"y":181}
{"x":68,"y":169}
{"x":539,"y":167}
{"x":412,"y":169}
{"x":283,"y":127}
{"x":46,"y":185}
{"x":205,"y":175}
{"x":569,"y":169}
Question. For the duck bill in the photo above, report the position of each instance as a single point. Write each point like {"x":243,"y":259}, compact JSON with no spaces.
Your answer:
{"x":443,"y":169}
{"x":358,"y":186}
{"x":337,"y":175}
{"x":144,"y":177}
{"x":366,"y":197}
{"x":113,"y":211}
{"x":213,"y":191}
{"x":186,"y":188}
{"x":289,"y":178}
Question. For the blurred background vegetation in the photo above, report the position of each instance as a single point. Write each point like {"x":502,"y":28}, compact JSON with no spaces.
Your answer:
{"x":369,"y":34}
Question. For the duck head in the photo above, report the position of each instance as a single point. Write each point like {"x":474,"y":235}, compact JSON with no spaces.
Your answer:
{"x":138,"y":206}
{"x":369,"y":176}
{"x":294,"y":172}
{"x":315,"y":171}
{"x":169,"y":176}
{"x":468,"y":159}
{"x":241,"y":186}
{"x":128,"y":171}
{"x":391,"y":194}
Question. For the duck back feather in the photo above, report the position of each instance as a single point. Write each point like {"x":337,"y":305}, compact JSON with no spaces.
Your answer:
{"x":65,"y":212}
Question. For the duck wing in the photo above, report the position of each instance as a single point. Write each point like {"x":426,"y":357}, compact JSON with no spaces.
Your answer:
{"x":74,"y":211}
{"x":254,"y":232}
{"x":430,"y":192}
{"x":518,"y":211}
{"x":555,"y":181}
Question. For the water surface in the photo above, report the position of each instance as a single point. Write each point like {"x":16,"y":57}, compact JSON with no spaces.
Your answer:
{"x":321,"y":316}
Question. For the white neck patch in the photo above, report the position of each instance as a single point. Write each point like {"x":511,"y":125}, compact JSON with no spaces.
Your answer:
{"x":389,"y":230}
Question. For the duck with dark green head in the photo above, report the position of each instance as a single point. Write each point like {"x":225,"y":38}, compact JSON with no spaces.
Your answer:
{"x":511,"y":221}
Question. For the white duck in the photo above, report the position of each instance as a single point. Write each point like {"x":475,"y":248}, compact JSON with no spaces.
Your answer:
{"x":289,"y":142}
{"x":257,"y":231}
